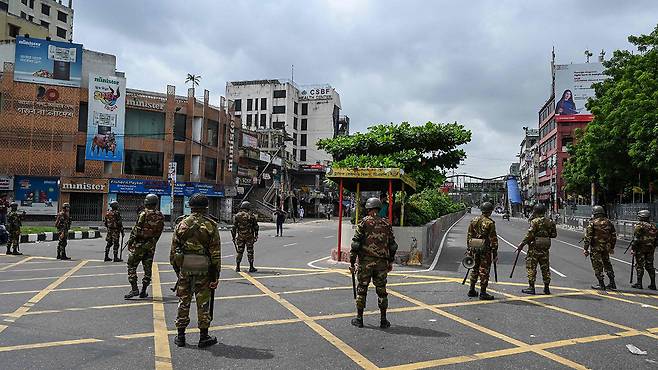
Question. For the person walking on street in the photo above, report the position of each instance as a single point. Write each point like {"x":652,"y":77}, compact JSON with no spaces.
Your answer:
{"x":280,"y":218}
{"x":114,"y":226}
{"x":599,"y":243}
{"x":645,"y":237}
{"x":538,"y":240}
{"x":482,"y":243}
{"x":63,"y":224}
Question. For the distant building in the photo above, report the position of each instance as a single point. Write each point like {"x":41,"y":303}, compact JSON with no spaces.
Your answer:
{"x":38,"y":18}
{"x":528,"y":159}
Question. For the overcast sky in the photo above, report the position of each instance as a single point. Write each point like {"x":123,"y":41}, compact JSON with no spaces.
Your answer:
{"x":485,"y":65}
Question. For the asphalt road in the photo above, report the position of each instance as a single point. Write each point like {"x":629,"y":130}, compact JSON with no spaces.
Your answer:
{"x":294,"y":312}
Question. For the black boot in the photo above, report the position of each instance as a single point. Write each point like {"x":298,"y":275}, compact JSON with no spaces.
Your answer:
{"x":143,"y":293}
{"x":652,"y":276}
{"x":612,"y":284}
{"x":358,"y":320}
{"x":472,"y":292}
{"x":64,"y":257}
{"x":107,"y":256}
{"x":238,"y":259}
{"x":484,"y":296}
{"x":16,"y":252}
{"x":59,"y":254}
{"x":116,"y":257}
{"x":206,"y":340}
{"x":179,"y":340}
{"x":383,"y":323}
{"x":638,"y":284}
{"x":8,"y":249}
{"x":134,"y":291}
{"x":530,"y":289}
{"x":547,"y":290}
{"x":251,"y":267}
{"x":601,"y":285}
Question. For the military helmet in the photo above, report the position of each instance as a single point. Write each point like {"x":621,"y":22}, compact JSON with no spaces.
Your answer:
{"x":13,"y":205}
{"x":114,"y":204}
{"x":598,"y":210}
{"x":245,"y":205}
{"x":151,"y":200}
{"x":644,"y":214}
{"x":486,"y":207}
{"x":198,"y":200}
{"x":66,"y":205}
{"x":374,"y":203}
{"x":539,"y":209}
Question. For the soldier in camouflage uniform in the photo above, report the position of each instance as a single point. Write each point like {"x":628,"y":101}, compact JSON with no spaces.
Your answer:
{"x":14,"y":223}
{"x":643,"y":248}
{"x":195,"y":255}
{"x":245,"y":234}
{"x":538,"y":240}
{"x":600,"y":237}
{"x":114,"y":226}
{"x":482,"y":244}
{"x":141,"y":244}
{"x":63,"y":224}
{"x":374,"y":245}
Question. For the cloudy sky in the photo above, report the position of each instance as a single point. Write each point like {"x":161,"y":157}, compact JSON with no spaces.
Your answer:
{"x":485,"y":65}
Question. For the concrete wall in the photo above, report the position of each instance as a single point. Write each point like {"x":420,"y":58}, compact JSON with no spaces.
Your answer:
{"x":97,"y":63}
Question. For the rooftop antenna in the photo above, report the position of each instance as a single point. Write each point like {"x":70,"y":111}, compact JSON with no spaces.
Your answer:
{"x":292,"y":72}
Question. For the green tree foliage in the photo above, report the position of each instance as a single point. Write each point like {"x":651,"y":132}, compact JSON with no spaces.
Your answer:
{"x":622,"y":140}
{"x":429,"y":205}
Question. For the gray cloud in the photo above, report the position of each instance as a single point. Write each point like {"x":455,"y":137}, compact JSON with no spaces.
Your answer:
{"x":485,"y":65}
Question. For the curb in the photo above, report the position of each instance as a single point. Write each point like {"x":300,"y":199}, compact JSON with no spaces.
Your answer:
{"x":50,"y":236}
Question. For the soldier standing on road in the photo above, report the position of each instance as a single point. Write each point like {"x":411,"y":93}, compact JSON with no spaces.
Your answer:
{"x":14,"y":223}
{"x":114,"y":226}
{"x":245,"y":234}
{"x":482,"y":244}
{"x":644,"y":247}
{"x":601,"y":236}
{"x":141,"y":244}
{"x":374,"y":245}
{"x":195,"y":255}
{"x":538,"y":240}
{"x":63,"y":224}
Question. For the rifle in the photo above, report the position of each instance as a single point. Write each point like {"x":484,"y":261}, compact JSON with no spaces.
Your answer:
{"x":516,"y":259}
{"x":121,"y":253}
{"x":353,"y":285}
{"x":632,"y":268}
{"x":495,"y":272}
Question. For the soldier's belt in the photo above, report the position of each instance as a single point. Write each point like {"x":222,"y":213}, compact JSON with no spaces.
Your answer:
{"x":477,"y":245}
{"x":195,"y":264}
{"x":543,"y":242}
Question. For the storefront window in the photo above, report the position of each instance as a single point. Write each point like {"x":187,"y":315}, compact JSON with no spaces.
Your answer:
{"x":143,"y":123}
{"x":144,"y":163}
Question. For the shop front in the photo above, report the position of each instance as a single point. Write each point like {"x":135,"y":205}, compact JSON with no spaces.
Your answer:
{"x":37,"y":196}
{"x":87,"y":197}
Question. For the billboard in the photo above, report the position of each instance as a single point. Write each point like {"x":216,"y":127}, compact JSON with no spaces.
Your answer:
{"x":106,"y":118}
{"x":315,"y":92}
{"x":573,"y":86}
{"x":48,"y":62}
{"x":37,"y":195}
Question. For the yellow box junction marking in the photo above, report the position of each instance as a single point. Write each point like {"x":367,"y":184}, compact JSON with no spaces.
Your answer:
{"x":15,"y":264}
{"x":161,"y":337}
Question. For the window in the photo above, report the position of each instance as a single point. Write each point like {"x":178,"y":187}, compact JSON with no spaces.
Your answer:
{"x":294,"y":138}
{"x":143,"y":163}
{"x":256,"y":104}
{"x":61,"y":32}
{"x":24,"y":2}
{"x":14,"y":30}
{"x":249,"y":120}
{"x":302,"y":140}
{"x":279,"y":109}
{"x":263,"y":120}
{"x":62,"y":17}
{"x":278,"y":125}
{"x":294,"y":107}
{"x":80,"y":159}
{"x":45,"y":9}
{"x":45,"y":24}
{"x":304,"y":124}
{"x":31,"y":4}
{"x":302,"y":155}
{"x":180,"y":164}
{"x":4,"y":6}
{"x":180,"y":126}
{"x":294,"y":154}
{"x":82,"y":117}
{"x":23,"y":15}
{"x":294,"y":123}
{"x":250,"y":104}
{"x":211,"y":168}
{"x":304,"y":109}
{"x":143,"y":123}
{"x":279,"y":93}
{"x":237,"y":105}
{"x":263,"y":103}
{"x":213,"y":133}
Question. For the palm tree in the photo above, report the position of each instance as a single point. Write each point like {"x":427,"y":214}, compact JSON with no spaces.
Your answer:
{"x":193,"y":79}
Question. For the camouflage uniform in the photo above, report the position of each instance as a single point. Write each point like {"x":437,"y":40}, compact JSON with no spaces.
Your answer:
{"x":63,"y":224}
{"x":601,"y":236}
{"x":483,"y":227}
{"x":245,"y":233}
{"x":196,"y":235}
{"x":540,"y":227}
{"x":114,"y":225}
{"x":14,"y":223}
{"x":374,"y":245}
{"x":143,"y":239}
{"x":644,"y":247}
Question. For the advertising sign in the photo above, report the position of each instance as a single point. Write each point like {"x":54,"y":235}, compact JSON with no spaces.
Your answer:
{"x":315,"y":92}
{"x":48,"y":62}
{"x":37,"y":195}
{"x":106,"y":118}
{"x":573,"y":86}
{"x":6,"y":182}
{"x":249,"y":141}
{"x":80,"y":185}
{"x":163,"y":187}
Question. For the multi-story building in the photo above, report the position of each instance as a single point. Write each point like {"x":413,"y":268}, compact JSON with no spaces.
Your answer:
{"x":528,"y":159}
{"x":38,"y":18}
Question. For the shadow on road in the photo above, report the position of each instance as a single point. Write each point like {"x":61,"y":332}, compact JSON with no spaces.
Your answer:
{"x":411,"y":331}
{"x":238,"y":352}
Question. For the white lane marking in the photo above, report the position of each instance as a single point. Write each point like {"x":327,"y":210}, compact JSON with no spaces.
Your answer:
{"x":581,"y":248}
{"x":438,"y":253}
{"x":524,"y":252}
{"x":312,"y":263}
{"x":328,"y":236}
{"x":289,"y":245}
{"x":224,"y":243}
{"x":228,"y":255}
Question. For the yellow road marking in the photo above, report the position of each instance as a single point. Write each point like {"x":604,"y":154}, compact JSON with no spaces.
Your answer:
{"x":15,"y":264}
{"x":161,"y":337}
{"x":608,"y":296}
{"x":49,"y":344}
{"x":350,"y":352}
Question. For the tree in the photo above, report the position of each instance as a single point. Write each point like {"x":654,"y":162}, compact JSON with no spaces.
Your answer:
{"x":193,"y":79}
{"x":621,"y":143}
{"x":424,"y":152}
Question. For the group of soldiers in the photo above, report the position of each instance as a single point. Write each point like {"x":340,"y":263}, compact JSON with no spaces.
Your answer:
{"x":15,"y":222}
{"x":599,"y":243}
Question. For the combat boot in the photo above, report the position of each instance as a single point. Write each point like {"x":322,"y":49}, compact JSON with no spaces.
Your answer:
{"x":472,"y":292}
{"x":383,"y":323}
{"x":612,"y":284}
{"x":601,"y":285}
{"x":638,"y":284}
{"x":179,"y":340}
{"x":16,"y":252}
{"x":652,"y":276}
{"x":484,"y":296}
{"x":206,"y":340}
{"x":530,"y":289}
{"x":251,"y":267}
{"x":143,"y":293}
{"x":546,"y":289}
{"x":8,"y":249}
{"x":358,"y":320}
{"x":237,"y":268}
{"x":64,"y":257}
{"x":116,"y":257}
{"x":134,"y":292}
{"x":107,"y":256}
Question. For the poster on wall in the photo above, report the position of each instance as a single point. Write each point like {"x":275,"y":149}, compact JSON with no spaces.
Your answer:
{"x":37,"y":195}
{"x":106,"y":118}
{"x":573,"y":87}
{"x":48,"y":62}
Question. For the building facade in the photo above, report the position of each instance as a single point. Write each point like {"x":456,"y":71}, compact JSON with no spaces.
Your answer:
{"x":528,"y":160}
{"x":54,"y":17}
